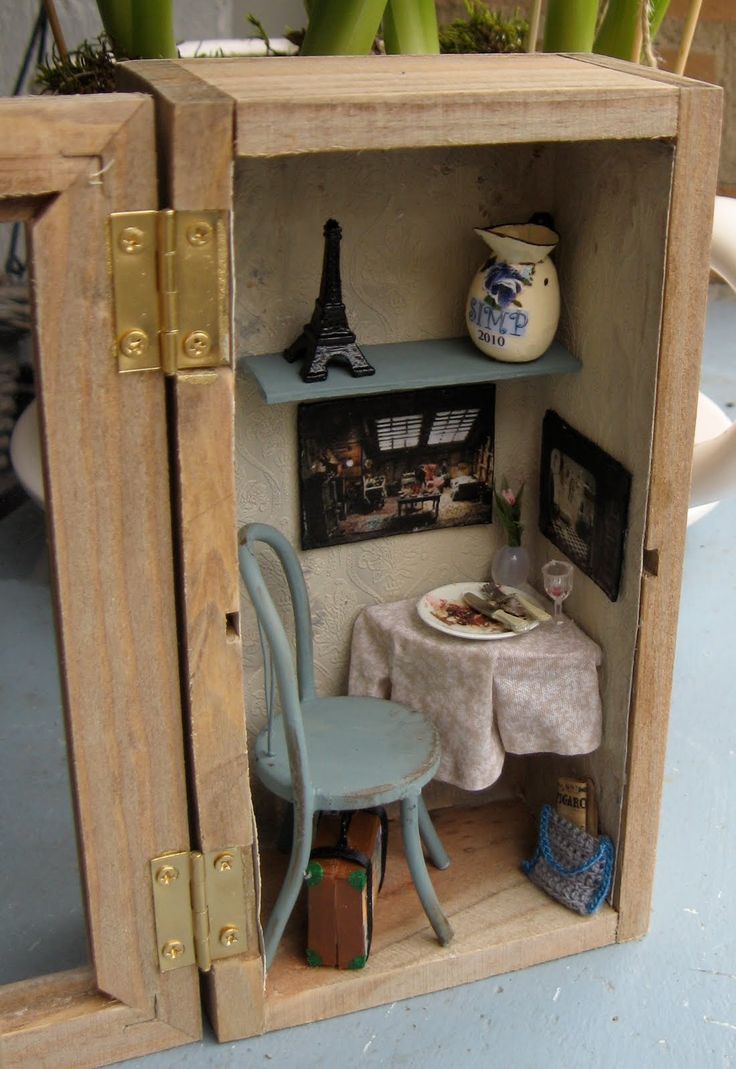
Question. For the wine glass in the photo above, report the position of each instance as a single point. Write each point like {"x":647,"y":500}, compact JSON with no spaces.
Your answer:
{"x":557,"y":576}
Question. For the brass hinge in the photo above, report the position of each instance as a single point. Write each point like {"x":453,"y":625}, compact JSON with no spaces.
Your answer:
{"x":199,"y":906}
{"x":170,"y":286}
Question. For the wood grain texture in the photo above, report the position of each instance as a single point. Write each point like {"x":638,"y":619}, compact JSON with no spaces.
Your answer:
{"x":501,"y":922}
{"x":213,"y":687}
{"x":194,"y":133}
{"x":59,"y":129}
{"x":333,"y":103}
{"x":329,"y":104}
{"x":107,"y":492}
{"x":623,"y":66}
{"x":683,"y":322}
{"x":195,"y":136}
{"x":63,"y":1022}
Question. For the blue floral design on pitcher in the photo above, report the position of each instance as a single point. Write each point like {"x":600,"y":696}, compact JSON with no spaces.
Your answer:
{"x":505,"y":283}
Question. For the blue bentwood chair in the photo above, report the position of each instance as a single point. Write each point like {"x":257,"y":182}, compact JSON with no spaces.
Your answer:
{"x":334,"y":753}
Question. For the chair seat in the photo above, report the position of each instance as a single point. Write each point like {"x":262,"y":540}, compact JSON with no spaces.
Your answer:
{"x":362,"y":752}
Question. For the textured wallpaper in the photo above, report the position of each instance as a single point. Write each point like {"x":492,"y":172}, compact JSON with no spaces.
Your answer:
{"x":405,"y":274}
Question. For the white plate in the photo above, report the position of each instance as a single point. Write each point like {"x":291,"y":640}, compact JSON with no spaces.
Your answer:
{"x":454,"y":592}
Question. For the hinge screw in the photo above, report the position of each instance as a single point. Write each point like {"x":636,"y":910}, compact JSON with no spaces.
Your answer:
{"x":172,"y":950}
{"x":166,"y":875}
{"x":199,"y":233}
{"x":131,"y":239}
{"x":197,"y":344}
{"x":229,"y":936}
{"x":134,"y":343}
{"x":224,"y":862}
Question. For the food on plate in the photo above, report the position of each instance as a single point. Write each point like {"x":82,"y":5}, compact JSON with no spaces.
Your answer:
{"x":455,"y":614}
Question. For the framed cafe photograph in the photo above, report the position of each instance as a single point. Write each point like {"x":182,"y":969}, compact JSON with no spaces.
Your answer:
{"x":584,"y":502}
{"x":388,"y":464}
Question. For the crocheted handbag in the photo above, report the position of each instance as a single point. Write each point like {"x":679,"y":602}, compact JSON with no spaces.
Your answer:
{"x":571,"y":865}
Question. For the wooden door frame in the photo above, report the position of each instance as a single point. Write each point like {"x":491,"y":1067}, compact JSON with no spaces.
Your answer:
{"x":682,"y":328}
{"x":65,"y":165}
{"x":196,"y":156}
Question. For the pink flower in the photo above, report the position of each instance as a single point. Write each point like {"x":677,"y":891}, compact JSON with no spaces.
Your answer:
{"x":509,"y":497}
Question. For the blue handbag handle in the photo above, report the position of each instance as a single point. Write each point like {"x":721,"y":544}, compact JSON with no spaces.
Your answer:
{"x":605,"y":848}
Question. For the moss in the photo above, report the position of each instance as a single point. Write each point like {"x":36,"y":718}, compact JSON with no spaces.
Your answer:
{"x":88,"y":69}
{"x":484,"y":31}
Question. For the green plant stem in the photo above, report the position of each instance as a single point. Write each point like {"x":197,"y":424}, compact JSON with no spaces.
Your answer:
{"x":570,"y":25}
{"x":659,"y":10}
{"x":153,"y":29}
{"x":410,"y":28}
{"x":534,"y":20}
{"x":342,"y":27}
{"x":117,"y":19}
{"x":620,"y":30}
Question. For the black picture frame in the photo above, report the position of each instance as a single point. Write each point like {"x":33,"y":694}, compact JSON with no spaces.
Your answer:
{"x":378,"y":465}
{"x":584,"y":502}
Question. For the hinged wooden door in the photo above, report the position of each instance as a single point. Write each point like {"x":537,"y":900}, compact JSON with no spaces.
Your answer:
{"x":65,"y":166}
{"x":196,"y":161}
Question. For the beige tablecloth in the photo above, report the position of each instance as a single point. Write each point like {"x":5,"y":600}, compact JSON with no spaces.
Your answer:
{"x":528,"y":694}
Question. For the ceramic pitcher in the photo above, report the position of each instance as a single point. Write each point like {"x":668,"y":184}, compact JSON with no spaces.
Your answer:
{"x":514,"y":300}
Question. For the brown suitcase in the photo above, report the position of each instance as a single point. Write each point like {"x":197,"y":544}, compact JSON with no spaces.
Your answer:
{"x":344,"y":877}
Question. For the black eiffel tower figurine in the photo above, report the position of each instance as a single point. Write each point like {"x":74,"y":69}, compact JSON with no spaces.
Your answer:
{"x":327,"y":336}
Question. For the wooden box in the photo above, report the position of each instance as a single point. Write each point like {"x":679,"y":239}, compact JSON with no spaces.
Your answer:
{"x":409,"y":154}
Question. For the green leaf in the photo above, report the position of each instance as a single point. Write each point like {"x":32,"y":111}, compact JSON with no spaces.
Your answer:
{"x":410,"y":28}
{"x":658,"y":12}
{"x":117,"y":18}
{"x":153,"y":29}
{"x":570,"y":25}
{"x":619,"y":30}
{"x":342,"y":27}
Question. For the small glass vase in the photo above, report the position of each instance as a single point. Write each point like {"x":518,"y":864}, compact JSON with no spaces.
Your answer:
{"x":510,"y":566}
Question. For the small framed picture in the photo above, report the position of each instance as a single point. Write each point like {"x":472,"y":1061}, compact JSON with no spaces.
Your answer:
{"x":584,"y":502}
{"x":388,"y":464}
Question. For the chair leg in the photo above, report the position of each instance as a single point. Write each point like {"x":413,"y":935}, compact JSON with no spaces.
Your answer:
{"x":432,"y":842}
{"x":292,"y":885}
{"x":418,"y":869}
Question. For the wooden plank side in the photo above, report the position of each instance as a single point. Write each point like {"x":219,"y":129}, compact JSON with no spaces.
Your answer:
{"x":652,"y":74}
{"x":195,"y":133}
{"x":108,"y":501}
{"x":210,"y":600}
{"x":61,"y":128}
{"x":360,"y":77}
{"x":329,"y":104}
{"x":62,"y":1021}
{"x":688,"y":249}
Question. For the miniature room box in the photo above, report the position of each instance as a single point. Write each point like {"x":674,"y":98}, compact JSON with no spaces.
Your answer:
{"x":409,"y":154}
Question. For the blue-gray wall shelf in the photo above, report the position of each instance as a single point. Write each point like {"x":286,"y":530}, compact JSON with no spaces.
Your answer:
{"x":408,"y":365}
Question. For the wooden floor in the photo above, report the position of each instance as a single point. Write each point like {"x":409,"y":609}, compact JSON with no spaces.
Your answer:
{"x":501,"y":921}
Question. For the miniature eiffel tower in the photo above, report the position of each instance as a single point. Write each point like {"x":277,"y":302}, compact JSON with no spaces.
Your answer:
{"x":327,"y":336}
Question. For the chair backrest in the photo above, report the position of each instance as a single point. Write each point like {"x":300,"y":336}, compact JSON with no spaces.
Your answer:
{"x":294,"y":685}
